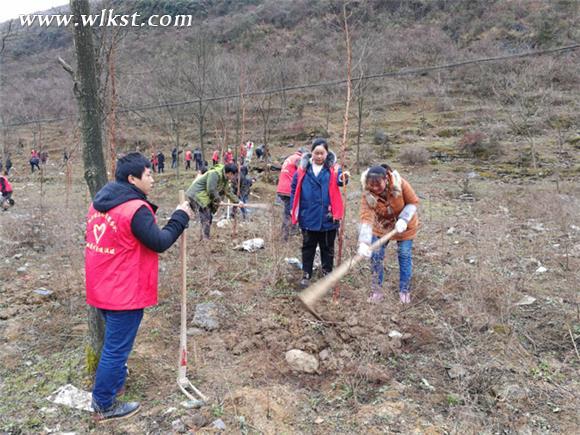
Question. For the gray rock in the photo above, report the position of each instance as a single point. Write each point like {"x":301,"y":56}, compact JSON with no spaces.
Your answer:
{"x":216,"y":293}
{"x":301,"y":361}
{"x":17,"y":256}
{"x":196,"y":420}
{"x":192,"y":404}
{"x":21,"y":270}
{"x":219,"y":424}
{"x":207,"y":316}
{"x":456,"y":371}
{"x":324,"y":354}
{"x":178,"y":426}
{"x":194,"y":331}
{"x":43,"y":291}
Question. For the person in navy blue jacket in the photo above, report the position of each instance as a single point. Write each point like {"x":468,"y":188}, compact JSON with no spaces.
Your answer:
{"x":317,"y":205}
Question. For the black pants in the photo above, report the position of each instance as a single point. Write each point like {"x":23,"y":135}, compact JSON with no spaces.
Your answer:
{"x":324,"y":239}
{"x":205,"y":218}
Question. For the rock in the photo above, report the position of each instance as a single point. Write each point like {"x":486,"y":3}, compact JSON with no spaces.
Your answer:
{"x":526,"y":300}
{"x":8,"y":313}
{"x":293,"y":261}
{"x":319,"y":420}
{"x":192,"y":404}
{"x":372,"y":373}
{"x":216,"y":293}
{"x":21,"y":270}
{"x":17,"y":256}
{"x":541,"y":269}
{"x":427,"y":385}
{"x":301,"y":361}
{"x":243,"y":347}
{"x":395,"y":334}
{"x":451,"y":230}
{"x":511,"y":392}
{"x":389,"y":410}
{"x":194,"y":331}
{"x":324,"y":354}
{"x":196,"y":420}
{"x":456,"y":371}
{"x":207,"y":316}
{"x":43,"y":291}
{"x":352,"y":321}
{"x":218,"y":424}
{"x":251,"y":245}
{"x":178,"y":426}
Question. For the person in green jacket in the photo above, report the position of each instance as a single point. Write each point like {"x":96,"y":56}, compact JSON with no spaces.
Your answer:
{"x":206,"y":191}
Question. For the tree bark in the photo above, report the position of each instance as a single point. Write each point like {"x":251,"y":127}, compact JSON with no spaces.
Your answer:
{"x":87,"y":94}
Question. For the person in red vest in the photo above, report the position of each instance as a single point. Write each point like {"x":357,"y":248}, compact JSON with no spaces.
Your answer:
{"x":284,"y":188}
{"x":317,"y":206}
{"x":121,"y":270}
{"x":228,"y":157}
{"x":6,"y":193}
{"x":188,"y":159}
{"x":215,"y":158}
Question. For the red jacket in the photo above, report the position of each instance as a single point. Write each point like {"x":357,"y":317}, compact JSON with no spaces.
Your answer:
{"x":287,"y":172}
{"x":188,"y":155}
{"x":5,"y":186}
{"x":121,"y":273}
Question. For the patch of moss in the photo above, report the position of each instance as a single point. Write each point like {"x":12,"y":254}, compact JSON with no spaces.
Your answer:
{"x":449,"y":132}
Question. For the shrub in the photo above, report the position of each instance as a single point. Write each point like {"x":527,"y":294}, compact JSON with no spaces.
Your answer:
{"x":476,"y":144}
{"x":414,"y":156}
{"x":380,"y":138}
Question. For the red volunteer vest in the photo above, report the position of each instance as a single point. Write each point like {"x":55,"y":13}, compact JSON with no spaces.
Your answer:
{"x":286,"y":173}
{"x":121,"y":273}
{"x":7,"y":186}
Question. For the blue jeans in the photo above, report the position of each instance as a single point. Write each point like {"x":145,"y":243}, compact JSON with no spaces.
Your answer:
{"x":404,"y":252}
{"x":120,"y":331}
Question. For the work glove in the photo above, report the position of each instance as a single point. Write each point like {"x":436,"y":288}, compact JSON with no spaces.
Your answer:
{"x":401,"y":226}
{"x":364,"y":250}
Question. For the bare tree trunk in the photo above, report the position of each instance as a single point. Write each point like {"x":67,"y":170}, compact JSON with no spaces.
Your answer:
{"x":336,"y":292}
{"x":201,"y":122}
{"x":86,"y":92}
{"x":359,"y":125}
{"x":112,"y":130}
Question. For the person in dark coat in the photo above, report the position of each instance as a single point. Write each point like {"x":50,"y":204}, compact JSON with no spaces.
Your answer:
{"x":8,"y":166}
{"x":317,"y":205}
{"x":160,"y":162}
{"x":241,"y":186}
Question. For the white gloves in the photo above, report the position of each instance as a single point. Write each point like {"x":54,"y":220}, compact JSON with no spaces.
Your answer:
{"x":364,"y":250}
{"x":401,"y":226}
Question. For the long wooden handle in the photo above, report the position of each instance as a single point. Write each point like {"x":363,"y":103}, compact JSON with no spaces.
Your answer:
{"x":254,"y":205}
{"x":310,"y":295}
{"x":183,"y":329}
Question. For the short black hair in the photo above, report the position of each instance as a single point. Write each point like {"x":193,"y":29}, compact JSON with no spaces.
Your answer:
{"x":319,"y":141}
{"x":132,"y":164}
{"x":232,"y":168}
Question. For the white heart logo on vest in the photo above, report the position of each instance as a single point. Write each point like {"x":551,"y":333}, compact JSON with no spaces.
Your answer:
{"x":98,"y":231}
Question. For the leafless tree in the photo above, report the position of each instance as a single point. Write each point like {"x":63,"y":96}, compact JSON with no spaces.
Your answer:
{"x":86,"y":90}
